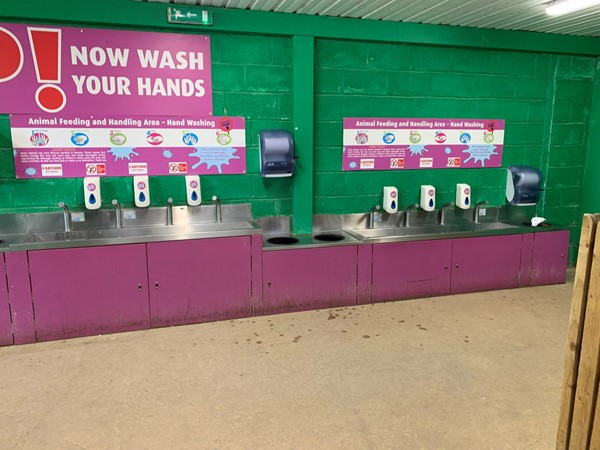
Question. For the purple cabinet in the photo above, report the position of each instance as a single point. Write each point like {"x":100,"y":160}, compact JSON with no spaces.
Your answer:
{"x":199,"y":280}
{"x":411,"y":269}
{"x":309,"y":278}
{"x":549,"y":258}
{"x":485,"y":263}
{"x":6,"y":336}
{"x":87,"y":291}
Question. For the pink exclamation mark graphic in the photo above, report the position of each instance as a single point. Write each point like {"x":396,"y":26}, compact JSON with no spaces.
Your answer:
{"x":45,"y":48}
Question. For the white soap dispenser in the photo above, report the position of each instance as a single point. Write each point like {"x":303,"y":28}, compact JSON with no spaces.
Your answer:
{"x":91,"y":192}
{"x":427,"y":197}
{"x":141,"y":191}
{"x":390,"y":199}
{"x":463,"y":195}
{"x":192,"y":189}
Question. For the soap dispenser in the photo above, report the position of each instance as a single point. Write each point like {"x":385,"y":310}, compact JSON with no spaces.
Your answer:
{"x":192,"y":189}
{"x":91,"y":192}
{"x":427,"y":197}
{"x":463,"y":196}
{"x":390,"y":199}
{"x":141,"y":191}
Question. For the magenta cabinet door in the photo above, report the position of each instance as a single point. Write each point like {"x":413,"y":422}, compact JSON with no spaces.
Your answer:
{"x":411,"y":269}
{"x":311,"y":278}
{"x":199,"y":280}
{"x":549,"y":262}
{"x":6,"y":336}
{"x":88,"y":291}
{"x":485,"y":263}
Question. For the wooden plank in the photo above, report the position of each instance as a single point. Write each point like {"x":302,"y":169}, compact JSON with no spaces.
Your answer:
{"x":586,"y":389}
{"x":578,"y":305}
{"x":595,"y":440}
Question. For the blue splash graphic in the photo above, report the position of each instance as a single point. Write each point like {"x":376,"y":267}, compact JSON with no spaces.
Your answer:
{"x":480,"y":153}
{"x":448,"y":150}
{"x":30,"y":171}
{"x":352,"y":165}
{"x":214,"y":156}
{"x":123,"y":153}
{"x":417,"y":150}
{"x":167,"y":153}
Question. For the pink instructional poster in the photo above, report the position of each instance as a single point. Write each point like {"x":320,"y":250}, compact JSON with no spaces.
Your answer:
{"x":78,"y":71}
{"x":58,"y":146}
{"x":396,"y":144}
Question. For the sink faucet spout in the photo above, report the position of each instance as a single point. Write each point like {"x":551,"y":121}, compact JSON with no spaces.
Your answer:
{"x":218,"y":211}
{"x":118,"y":214}
{"x":169,"y":211}
{"x":66,"y":216}
{"x":407,"y":214}
{"x":443,"y":212}
{"x":478,"y":206}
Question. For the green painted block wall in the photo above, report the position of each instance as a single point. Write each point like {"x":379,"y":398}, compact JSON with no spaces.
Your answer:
{"x":252,"y":77}
{"x":545,"y":100}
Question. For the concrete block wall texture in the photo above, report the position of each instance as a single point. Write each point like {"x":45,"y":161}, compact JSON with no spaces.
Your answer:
{"x":545,"y":100}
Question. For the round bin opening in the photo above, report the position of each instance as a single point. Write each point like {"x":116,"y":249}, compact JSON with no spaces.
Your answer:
{"x":282,"y":240}
{"x":329,"y":237}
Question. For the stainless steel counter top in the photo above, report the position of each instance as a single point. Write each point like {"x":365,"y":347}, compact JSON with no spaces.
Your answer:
{"x":117,"y":236}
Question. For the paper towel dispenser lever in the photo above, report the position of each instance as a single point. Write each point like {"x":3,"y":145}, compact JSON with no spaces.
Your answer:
{"x":276,"y":148}
{"x":523,"y":185}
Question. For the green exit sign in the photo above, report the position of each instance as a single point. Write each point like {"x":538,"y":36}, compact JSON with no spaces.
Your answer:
{"x":189,"y":15}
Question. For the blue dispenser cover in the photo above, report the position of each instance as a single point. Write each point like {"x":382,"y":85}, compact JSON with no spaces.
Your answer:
{"x":276,"y":153}
{"x":523,"y":185}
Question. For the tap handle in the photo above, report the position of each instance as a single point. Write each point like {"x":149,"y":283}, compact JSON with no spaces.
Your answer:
{"x":61,"y":204}
{"x":214,"y":198}
{"x":115,"y":202}
{"x":170,"y":200}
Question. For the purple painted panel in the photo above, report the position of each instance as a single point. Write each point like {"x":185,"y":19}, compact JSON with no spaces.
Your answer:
{"x":549,"y":264}
{"x":19,"y":296}
{"x":199,"y":280}
{"x":526,"y":257}
{"x":302,"y":279}
{"x":485,"y":263}
{"x":411,"y":269}
{"x":365,"y":274}
{"x":6,"y":336}
{"x":257,"y":273}
{"x":88,"y":291}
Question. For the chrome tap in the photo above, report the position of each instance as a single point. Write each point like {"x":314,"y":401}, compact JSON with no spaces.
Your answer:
{"x":169,"y":211}
{"x":407,"y":214}
{"x":372,"y":213}
{"x":477,"y":208}
{"x":218,"y":211}
{"x":66,"y":216}
{"x":118,"y":213}
{"x":443,"y":212}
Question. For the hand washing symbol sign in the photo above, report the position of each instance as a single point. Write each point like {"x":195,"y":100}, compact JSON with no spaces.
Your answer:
{"x":45,"y":48}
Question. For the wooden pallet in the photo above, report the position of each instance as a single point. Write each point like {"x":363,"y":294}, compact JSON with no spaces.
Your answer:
{"x":579,"y":423}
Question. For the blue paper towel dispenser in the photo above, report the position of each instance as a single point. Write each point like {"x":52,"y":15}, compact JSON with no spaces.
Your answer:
{"x":523,"y":185}
{"x":276,"y":149}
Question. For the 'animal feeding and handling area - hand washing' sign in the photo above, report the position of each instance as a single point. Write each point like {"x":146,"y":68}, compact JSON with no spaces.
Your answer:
{"x":96,"y":71}
{"x":50,"y":146}
{"x":397,"y":144}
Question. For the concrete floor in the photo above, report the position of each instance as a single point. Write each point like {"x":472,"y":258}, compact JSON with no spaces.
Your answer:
{"x":478,"y":371}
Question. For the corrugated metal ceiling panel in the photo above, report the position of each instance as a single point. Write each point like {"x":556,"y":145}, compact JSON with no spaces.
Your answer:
{"x":523,"y":15}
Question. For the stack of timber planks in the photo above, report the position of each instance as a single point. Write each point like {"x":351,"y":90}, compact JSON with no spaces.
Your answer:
{"x":579,"y":423}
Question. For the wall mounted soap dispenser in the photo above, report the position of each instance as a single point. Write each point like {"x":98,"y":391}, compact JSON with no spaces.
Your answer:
{"x":463,"y":196}
{"x":427,"y":197}
{"x":390,"y":199}
{"x":276,"y":150}
{"x":91,"y":192}
{"x":192,"y":189}
{"x":141,"y":191}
